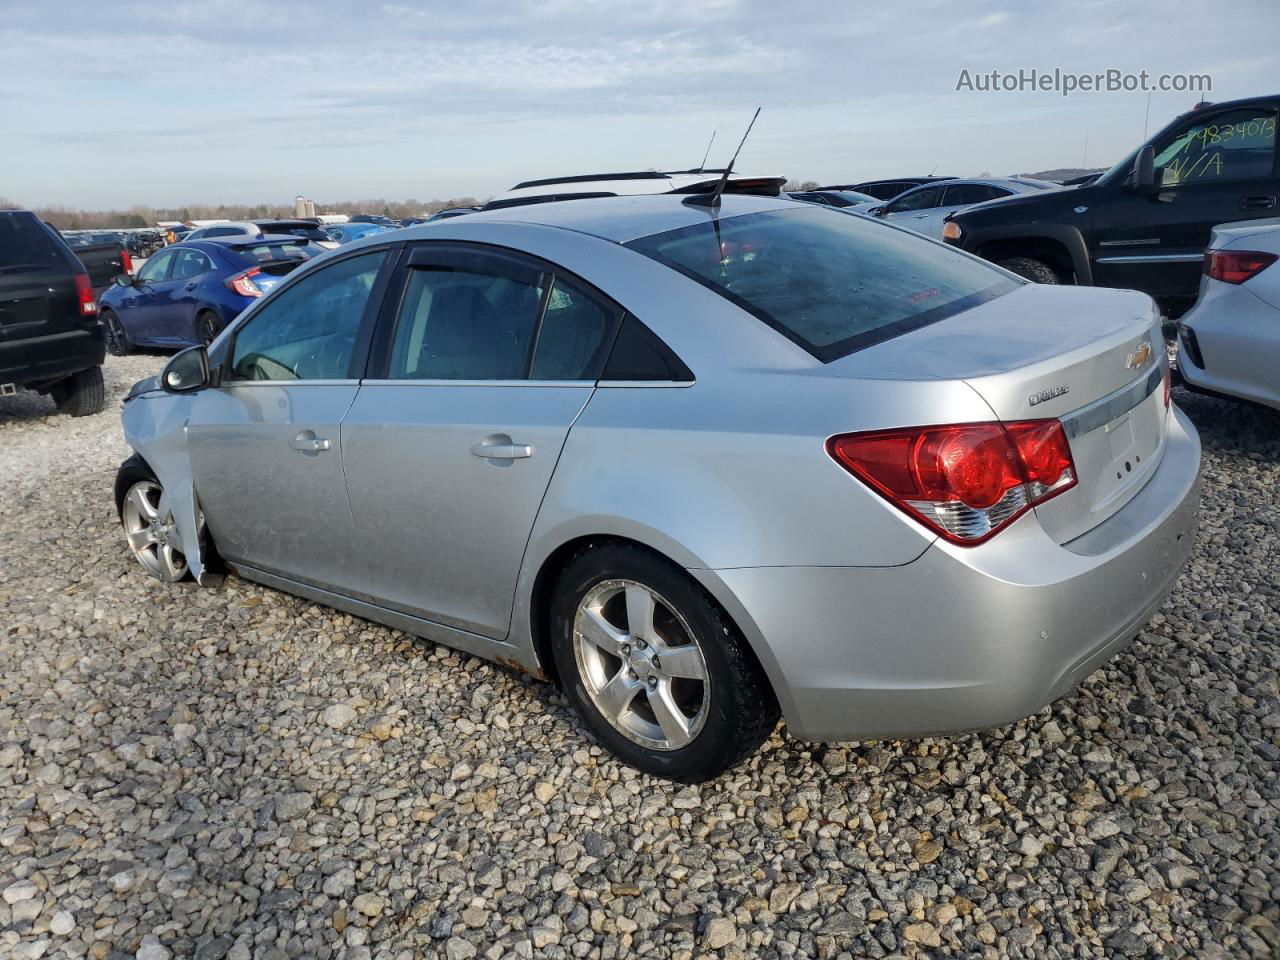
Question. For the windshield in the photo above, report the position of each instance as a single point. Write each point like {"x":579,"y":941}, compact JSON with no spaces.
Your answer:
{"x":831,"y":284}
{"x":268,"y":252}
{"x":295,"y":230}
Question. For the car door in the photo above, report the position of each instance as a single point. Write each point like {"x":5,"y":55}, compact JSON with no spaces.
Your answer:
{"x":1220,"y":166}
{"x":176,"y":319}
{"x":265,"y":444}
{"x":913,"y":208}
{"x":138,"y":303}
{"x":452,"y":442}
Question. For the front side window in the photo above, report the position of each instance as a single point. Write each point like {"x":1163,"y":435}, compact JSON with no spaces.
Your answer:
{"x":308,"y":331}
{"x":472,"y":321}
{"x":1233,"y":145}
{"x":831,"y":284}
{"x":917,"y":200}
{"x":157,"y":267}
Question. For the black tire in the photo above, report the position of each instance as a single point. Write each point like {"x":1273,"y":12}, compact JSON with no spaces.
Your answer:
{"x":742,"y":710}
{"x":118,"y":344}
{"x":1037,"y":271}
{"x":81,"y":394}
{"x":208,"y":326}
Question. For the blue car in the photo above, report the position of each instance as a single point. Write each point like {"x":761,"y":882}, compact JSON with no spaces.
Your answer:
{"x":187,"y":292}
{"x":346,"y":232}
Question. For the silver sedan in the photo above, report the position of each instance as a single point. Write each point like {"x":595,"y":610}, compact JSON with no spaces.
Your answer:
{"x":700,"y":465}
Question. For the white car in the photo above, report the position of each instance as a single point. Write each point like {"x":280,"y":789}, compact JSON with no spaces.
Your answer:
{"x":629,"y":184}
{"x":260,"y":228}
{"x":925,"y":208}
{"x":1229,"y":342}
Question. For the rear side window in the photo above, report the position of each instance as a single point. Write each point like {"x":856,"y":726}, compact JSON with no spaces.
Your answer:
{"x":190,"y":263}
{"x":573,"y":336}
{"x":25,"y":244}
{"x":638,"y":354}
{"x":831,"y":284}
{"x":466,"y":323}
{"x":295,"y":230}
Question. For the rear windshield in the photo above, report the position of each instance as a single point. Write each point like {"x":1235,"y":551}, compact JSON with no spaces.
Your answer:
{"x":269,"y":252}
{"x":25,"y":244}
{"x":832,"y":282}
{"x":295,"y":230}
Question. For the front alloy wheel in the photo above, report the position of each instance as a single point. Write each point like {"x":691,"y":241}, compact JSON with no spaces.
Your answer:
{"x":640,"y":665}
{"x":153,"y":536}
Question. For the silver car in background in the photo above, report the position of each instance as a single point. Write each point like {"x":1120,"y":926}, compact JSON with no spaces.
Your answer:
{"x":1229,"y":342}
{"x":700,"y":464}
{"x":925,"y":208}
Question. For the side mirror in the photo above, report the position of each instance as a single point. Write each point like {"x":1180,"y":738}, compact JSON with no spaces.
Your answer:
{"x":124,"y":280}
{"x":876,"y":211}
{"x":187,"y":370}
{"x":1145,"y":178}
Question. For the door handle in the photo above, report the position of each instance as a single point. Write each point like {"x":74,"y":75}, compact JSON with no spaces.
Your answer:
{"x":308,"y":442}
{"x":1257,"y":203}
{"x":191,"y":286}
{"x":920,"y":216}
{"x":501,"y":450}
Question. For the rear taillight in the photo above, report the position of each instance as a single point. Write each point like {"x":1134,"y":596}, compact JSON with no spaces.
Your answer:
{"x":967,"y":481}
{"x":242,"y":283}
{"x":84,"y":293}
{"x":126,"y":261}
{"x":1236,"y":266}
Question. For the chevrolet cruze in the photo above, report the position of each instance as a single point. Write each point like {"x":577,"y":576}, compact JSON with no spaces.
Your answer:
{"x":701,"y":464}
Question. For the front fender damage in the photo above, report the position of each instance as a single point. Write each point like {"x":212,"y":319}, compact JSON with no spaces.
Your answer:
{"x":155,"y":425}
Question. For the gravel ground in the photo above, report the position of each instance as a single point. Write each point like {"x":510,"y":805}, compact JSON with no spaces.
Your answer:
{"x":237,"y":773}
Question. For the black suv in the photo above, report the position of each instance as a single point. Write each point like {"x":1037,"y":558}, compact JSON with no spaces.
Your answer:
{"x":1144,"y":223}
{"x":50,"y":338}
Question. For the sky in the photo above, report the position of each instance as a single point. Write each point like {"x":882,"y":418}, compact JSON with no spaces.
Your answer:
{"x":108,"y":105}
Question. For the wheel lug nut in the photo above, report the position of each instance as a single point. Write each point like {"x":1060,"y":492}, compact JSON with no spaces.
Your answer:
{"x":640,"y":644}
{"x":657,"y":664}
{"x":632,"y":674}
{"x":653,"y":682}
{"x":626,"y":650}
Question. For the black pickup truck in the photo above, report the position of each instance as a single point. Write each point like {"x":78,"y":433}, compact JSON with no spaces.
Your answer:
{"x":105,"y":256}
{"x":1143,"y":224}
{"x":50,"y":338}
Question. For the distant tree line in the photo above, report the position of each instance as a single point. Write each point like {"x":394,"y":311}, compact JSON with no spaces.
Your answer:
{"x":70,"y":218}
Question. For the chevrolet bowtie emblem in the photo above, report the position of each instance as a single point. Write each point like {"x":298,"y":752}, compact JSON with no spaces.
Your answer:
{"x":1140,"y":355}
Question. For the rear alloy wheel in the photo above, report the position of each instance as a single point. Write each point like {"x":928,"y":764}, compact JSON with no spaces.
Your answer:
{"x":208,"y":326}
{"x":118,"y":344}
{"x":1037,"y":271}
{"x":152,"y":534}
{"x":640,"y":666}
{"x":655,"y":668}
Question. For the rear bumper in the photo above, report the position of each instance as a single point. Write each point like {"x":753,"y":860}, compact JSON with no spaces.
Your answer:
{"x":41,"y":360}
{"x":966,"y":638}
{"x":1229,"y":344}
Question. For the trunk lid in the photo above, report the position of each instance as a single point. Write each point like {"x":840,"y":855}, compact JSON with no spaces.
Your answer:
{"x":1089,"y":357}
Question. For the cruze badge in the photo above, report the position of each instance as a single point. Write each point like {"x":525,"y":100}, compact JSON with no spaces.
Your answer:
{"x":1141,"y":354}
{"x":1048,"y":394}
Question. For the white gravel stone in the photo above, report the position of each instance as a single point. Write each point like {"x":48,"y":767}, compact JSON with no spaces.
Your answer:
{"x":485,"y":822}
